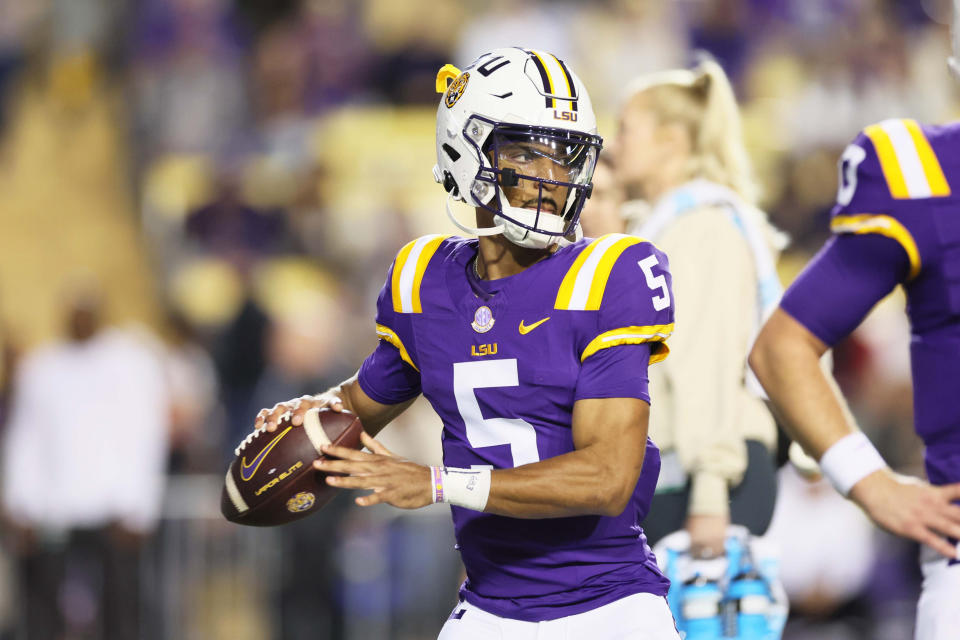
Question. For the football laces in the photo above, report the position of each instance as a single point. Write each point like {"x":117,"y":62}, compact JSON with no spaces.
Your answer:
{"x":257,"y":432}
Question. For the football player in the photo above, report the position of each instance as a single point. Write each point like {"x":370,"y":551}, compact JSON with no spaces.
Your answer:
{"x":532,"y":345}
{"x":896,"y":222}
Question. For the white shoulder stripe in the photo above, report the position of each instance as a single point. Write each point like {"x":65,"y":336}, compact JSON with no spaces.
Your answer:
{"x":581,"y":288}
{"x":906,"y":151}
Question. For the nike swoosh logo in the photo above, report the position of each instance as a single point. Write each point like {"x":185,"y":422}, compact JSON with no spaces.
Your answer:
{"x":524,"y":330}
{"x":247,"y":471}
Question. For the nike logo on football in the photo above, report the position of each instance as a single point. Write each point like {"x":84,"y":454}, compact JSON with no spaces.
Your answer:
{"x":524,"y":330}
{"x":248,"y":470}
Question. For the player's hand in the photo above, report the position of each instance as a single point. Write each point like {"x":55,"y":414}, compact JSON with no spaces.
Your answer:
{"x":912,"y":508}
{"x":393,"y":480}
{"x":298,"y":407}
{"x":708,"y":533}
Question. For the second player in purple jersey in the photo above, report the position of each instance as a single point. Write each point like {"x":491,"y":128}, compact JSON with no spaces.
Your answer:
{"x":898,"y":222}
{"x":503,"y":362}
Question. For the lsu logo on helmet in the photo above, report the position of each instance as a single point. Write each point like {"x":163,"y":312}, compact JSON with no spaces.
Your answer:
{"x":456,"y":89}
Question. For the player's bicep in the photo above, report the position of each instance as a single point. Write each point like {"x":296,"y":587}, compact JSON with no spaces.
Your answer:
{"x":843,"y":282}
{"x":616,"y":372}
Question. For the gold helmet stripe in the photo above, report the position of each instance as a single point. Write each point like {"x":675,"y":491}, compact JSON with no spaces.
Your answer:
{"x":570,"y":85}
{"x":545,"y":77}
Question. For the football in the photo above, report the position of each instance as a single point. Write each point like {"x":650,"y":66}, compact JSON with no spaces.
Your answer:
{"x":271,"y":481}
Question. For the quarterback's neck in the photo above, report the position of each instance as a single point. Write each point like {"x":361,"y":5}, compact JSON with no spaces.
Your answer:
{"x":498,"y":258}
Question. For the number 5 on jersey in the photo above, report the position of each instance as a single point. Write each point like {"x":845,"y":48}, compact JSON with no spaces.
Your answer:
{"x":489,"y":432}
{"x":655,"y":283}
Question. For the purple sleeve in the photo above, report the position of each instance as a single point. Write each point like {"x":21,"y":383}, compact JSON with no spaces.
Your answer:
{"x":849,"y":275}
{"x":618,"y":372}
{"x":386,"y":378}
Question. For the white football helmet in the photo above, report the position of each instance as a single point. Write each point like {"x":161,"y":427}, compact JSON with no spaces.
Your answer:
{"x":516,"y":114}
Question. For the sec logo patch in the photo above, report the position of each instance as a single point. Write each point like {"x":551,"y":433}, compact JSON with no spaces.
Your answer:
{"x":482,"y":320}
{"x":456,"y":88}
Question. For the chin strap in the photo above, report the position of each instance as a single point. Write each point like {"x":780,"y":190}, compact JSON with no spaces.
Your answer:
{"x":565,"y":241}
{"x":486,"y":231}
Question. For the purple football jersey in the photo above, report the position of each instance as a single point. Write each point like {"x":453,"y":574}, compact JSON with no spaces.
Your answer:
{"x":503,"y":362}
{"x":899,"y":186}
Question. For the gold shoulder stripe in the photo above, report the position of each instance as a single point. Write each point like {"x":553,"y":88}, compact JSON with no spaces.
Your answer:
{"x":585,"y":282}
{"x":633,"y":335}
{"x":881,"y":225}
{"x":907,"y":160}
{"x":386,"y":333}
{"x":408,"y":270}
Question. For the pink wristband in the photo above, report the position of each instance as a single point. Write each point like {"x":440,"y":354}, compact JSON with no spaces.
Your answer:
{"x":437,"y":484}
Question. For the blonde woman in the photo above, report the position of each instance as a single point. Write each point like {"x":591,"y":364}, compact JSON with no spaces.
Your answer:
{"x":681,"y":158}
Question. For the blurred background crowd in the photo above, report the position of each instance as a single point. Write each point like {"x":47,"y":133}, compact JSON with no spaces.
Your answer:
{"x":199,"y":200}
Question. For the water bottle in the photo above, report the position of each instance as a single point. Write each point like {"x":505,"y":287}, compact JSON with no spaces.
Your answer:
{"x":700,"y":609}
{"x":748,"y":595}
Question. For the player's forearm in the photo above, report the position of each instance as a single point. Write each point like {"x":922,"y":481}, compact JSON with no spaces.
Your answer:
{"x":374,"y":415}
{"x":801,"y":396}
{"x":582,"y":482}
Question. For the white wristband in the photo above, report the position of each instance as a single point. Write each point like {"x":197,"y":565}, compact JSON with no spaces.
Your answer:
{"x":467,"y":488}
{"x":849,"y":460}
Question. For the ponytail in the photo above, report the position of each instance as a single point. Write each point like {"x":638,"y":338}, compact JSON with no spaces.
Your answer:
{"x":702,"y":100}
{"x":719,"y":150}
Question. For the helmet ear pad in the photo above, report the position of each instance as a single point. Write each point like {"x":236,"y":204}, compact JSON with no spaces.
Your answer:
{"x":449,"y":184}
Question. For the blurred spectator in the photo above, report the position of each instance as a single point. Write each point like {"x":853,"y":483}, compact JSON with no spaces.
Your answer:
{"x":189,"y":56}
{"x":299,"y":359}
{"x":511,"y":23}
{"x":18,"y":21}
{"x":721,"y":28}
{"x":240,"y":359}
{"x":602,"y":212}
{"x":826,"y":561}
{"x":638,"y":36}
{"x":195,"y":439}
{"x":234,"y":230}
{"x":83,"y":463}
{"x":7,"y":598}
{"x":680,"y":149}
